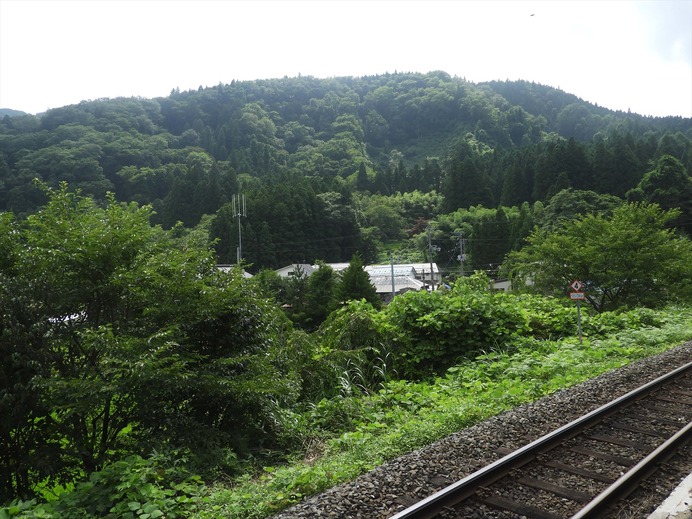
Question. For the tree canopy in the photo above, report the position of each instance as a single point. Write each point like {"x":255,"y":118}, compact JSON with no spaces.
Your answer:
{"x":115,"y":339}
{"x":356,"y":285}
{"x":628,"y":258}
{"x":326,"y":165}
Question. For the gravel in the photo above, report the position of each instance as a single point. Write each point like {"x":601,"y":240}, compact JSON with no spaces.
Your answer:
{"x":394,"y":486}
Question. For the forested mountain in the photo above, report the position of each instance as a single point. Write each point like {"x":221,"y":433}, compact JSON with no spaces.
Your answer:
{"x":11,"y":113}
{"x":334,"y":166}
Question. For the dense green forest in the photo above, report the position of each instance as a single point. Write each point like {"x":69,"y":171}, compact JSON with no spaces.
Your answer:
{"x":330,"y":167}
{"x":133,"y":369}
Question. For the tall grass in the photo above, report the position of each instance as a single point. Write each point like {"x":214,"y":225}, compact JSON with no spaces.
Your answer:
{"x":355,"y":433}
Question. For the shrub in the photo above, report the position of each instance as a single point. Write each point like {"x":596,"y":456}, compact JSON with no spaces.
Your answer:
{"x":351,"y":356}
{"x":549,"y":318}
{"x":433,"y":331}
{"x":132,"y":488}
{"x":608,"y":323}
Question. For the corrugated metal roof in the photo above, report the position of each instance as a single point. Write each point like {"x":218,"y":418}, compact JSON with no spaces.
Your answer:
{"x":387,"y":271}
{"x":383,"y":284}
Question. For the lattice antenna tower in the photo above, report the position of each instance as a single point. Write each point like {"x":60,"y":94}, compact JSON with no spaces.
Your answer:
{"x":239,"y":211}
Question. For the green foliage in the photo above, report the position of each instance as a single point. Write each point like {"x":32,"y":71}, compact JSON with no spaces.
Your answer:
{"x":321,"y":296}
{"x":405,"y":415}
{"x":305,"y":144}
{"x":627,"y":259}
{"x":432,"y":331}
{"x":669,"y":184}
{"x":353,"y":353}
{"x":132,"y":488}
{"x":117,"y":337}
{"x":610,"y":323}
{"x":569,"y":204}
{"x":489,"y":234}
{"x":122,"y":340}
{"x":355,"y":284}
{"x":549,"y":318}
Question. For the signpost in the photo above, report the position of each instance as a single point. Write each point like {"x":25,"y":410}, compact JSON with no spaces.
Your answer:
{"x":576,"y":294}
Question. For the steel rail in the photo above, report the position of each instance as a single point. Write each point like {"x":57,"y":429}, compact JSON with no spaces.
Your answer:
{"x":629,"y":481}
{"x":453,"y":494}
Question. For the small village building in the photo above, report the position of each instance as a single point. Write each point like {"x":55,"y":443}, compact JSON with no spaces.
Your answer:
{"x":386,"y":285}
{"x":296,"y":269}
{"x":504,"y":285}
{"x":226,"y":268}
{"x":409,"y":276}
{"x":421,"y":270}
{"x":336,"y":267}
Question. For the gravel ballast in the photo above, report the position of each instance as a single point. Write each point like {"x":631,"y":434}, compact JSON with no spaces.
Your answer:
{"x":395,"y":485}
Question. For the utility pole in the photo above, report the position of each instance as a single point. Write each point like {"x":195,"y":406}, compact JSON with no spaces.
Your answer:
{"x":238,"y":206}
{"x":431,"y":248}
{"x":391,"y":265}
{"x":462,"y":250}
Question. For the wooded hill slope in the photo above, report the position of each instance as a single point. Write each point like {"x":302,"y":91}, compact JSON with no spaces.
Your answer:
{"x":334,"y":166}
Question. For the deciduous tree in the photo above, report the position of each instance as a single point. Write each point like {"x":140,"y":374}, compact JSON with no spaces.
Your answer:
{"x":626,"y":259}
{"x":120,"y":340}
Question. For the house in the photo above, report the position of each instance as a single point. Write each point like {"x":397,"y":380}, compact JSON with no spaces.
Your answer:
{"x":397,"y":279}
{"x":504,"y":285}
{"x":227,"y":268}
{"x":409,"y":276}
{"x":421,"y":271}
{"x":296,"y":269}
{"x":336,"y":267}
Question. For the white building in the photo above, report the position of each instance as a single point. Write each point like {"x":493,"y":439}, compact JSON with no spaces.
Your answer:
{"x":402,"y":280}
{"x":409,"y":276}
{"x":421,"y":271}
{"x":295,"y":269}
{"x":227,"y":268}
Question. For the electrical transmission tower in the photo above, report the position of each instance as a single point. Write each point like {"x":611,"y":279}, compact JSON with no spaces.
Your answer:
{"x":238,"y":207}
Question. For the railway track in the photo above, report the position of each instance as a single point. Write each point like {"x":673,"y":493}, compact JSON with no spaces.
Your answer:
{"x":583,"y":469}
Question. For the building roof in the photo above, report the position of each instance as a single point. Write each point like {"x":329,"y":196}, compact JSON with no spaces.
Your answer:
{"x":383,"y":284}
{"x":407,"y":276}
{"x":419,"y":267}
{"x":337,"y":267}
{"x":227,"y":268}
{"x":290,"y":270}
{"x":381,"y":270}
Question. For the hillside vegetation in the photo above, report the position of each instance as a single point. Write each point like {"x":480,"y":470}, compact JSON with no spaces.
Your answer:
{"x":137,"y":379}
{"x":334,"y":166}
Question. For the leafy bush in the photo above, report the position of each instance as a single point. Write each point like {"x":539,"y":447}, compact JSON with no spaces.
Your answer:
{"x":608,"y":323}
{"x":433,"y":331}
{"x":117,"y":339}
{"x":350,"y":354}
{"x":132,"y":488}
{"x":548,"y":317}
{"x":406,"y":415}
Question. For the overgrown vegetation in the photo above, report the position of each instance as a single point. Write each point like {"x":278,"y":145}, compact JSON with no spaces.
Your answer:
{"x":138,"y":380}
{"x":134,"y":370}
{"x":343,"y":437}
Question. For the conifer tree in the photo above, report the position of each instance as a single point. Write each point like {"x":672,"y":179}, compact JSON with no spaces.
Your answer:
{"x":355,"y":284}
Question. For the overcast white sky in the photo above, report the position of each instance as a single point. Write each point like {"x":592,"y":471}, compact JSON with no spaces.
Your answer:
{"x":622,"y":54}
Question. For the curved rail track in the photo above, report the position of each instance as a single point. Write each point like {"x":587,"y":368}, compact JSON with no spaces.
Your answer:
{"x":630,"y":436}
